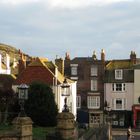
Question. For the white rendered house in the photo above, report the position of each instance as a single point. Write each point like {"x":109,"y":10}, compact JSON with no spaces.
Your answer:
{"x":5,"y":64}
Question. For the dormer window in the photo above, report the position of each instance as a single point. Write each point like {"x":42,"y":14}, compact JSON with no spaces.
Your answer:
{"x":74,"y":69}
{"x":119,"y":74}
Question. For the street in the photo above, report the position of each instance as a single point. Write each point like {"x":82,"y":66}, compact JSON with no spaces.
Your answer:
{"x":121,"y":135}
{"x":124,"y":137}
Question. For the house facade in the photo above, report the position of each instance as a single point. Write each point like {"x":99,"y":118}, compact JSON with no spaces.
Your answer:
{"x":136,"y":99}
{"x":89,"y":74}
{"x":119,"y":96}
{"x":42,"y":70}
{"x":5,"y":64}
{"x":121,"y":84}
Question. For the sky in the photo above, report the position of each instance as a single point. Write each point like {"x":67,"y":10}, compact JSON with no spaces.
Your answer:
{"x":50,"y":28}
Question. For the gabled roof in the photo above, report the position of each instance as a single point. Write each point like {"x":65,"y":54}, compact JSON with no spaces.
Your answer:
{"x":37,"y":62}
{"x":40,"y":70}
{"x":119,"y":64}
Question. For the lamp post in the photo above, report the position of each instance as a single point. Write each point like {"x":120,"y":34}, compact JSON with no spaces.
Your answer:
{"x":65,"y":92}
{"x":22,"y":96}
{"x":108,"y":110}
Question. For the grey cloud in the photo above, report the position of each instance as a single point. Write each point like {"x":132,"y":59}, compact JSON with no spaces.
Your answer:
{"x":40,"y":31}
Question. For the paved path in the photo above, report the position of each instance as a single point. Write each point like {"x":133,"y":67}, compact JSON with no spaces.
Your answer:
{"x":121,"y":134}
{"x":125,"y":137}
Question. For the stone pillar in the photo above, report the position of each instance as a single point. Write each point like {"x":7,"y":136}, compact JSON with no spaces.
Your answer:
{"x":66,"y":126}
{"x":23,"y":127}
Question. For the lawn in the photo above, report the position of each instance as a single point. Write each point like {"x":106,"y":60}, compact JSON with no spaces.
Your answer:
{"x":39,"y":133}
{"x":4,"y":127}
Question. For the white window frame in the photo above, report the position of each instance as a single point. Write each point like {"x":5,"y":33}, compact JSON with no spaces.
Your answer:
{"x":115,"y":87}
{"x":78,"y":101}
{"x":95,"y":118}
{"x":118,"y":74}
{"x":93,"y":102}
{"x":123,"y":105}
{"x":94,"y":85}
{"x":115,"y":122}
{"x":74,"y":68}
{"x":94,"y":70}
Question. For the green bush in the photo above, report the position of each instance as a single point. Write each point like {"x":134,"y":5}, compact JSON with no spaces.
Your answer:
{"x":41,"y":106}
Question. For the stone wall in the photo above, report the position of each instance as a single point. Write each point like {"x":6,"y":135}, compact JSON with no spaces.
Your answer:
{"x":22,"y":130}
{"x":9,"y":135}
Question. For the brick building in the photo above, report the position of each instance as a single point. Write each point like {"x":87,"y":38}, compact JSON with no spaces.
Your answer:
{"x":89,"y":74}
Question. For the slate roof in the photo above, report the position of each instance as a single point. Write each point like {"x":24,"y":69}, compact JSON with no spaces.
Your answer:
{"x":128,"y":76}
{"x":125,"y":64}
{"x":137,"y":66}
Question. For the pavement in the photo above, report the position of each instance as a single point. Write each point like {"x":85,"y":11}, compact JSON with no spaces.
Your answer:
{"x":118,"y":131}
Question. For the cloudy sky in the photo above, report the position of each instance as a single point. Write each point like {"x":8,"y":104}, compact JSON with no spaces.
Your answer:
{"x":47,"y":28}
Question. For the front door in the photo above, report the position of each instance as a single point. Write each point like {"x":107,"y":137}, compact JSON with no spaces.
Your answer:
{"x":138,"y":115}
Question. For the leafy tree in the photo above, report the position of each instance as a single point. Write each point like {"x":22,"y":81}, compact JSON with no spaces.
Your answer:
{"x":6,"y":100}
{"x":41,"y":106}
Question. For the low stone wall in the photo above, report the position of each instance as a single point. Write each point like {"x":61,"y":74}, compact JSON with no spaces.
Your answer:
{"x":22,"y":130}
{"x":9,"y":135}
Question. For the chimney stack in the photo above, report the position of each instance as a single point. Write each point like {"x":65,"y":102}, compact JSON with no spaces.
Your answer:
{"x":133,"y":57}
{"x":103,"y":55}
{"x":94,"y":56}
{"x":60,"y":64}
{"x":22,"y":62}
{"x":67,"y":56}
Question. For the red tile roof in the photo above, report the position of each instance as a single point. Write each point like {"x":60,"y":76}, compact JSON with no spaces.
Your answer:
{"x":35,"y":71}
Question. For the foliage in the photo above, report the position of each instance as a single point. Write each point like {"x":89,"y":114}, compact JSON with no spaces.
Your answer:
{"x":41,"y":106}
{"x":40,"y":133}
{"x":6,"y":100}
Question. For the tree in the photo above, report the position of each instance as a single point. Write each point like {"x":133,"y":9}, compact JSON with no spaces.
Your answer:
{"x":6,"y":100}
{"x":41,"y":106}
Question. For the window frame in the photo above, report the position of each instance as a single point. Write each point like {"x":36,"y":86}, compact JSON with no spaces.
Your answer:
{"x":93,"y":102}
{"x":94,"y":70}
{"x":123,"y":103}
{"x":94,"y":85}
{"x":95,"y":118}
{"x":118,"y":74}
{"x":74,"y":69}
{"x":118,"y":87}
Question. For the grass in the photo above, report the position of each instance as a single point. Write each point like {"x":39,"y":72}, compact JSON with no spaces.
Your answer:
{"x":5,"y":127}
{"x":39,"y":133}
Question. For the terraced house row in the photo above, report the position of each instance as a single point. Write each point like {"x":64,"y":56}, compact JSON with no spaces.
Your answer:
{"x":93,"y":83}
{"x":100,"y":81}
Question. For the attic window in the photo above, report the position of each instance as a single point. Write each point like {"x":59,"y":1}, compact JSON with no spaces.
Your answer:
{"x":119,"y":74}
